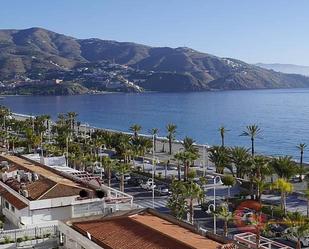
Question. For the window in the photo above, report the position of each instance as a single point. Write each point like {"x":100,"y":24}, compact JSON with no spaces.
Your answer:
{"x":7,"y":205}
{"x":13,"y":209}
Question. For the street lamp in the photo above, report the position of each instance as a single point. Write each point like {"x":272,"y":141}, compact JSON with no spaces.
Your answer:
{"x":215,"y":183}
{"x":214,"y":204}
{"x":214,"y":210}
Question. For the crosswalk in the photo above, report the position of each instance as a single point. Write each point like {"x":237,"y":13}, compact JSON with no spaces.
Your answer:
{"x":159,"y":203}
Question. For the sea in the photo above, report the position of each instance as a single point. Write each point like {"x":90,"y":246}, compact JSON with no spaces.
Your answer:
{"x":282,"y":115}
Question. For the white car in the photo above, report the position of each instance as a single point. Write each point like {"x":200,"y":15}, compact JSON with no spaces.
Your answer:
{"x":148,"y":185}
{"x":290,"y":236}
{"x":126,"y":177}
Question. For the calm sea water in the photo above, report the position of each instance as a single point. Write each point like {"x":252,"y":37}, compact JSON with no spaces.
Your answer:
{"x":283,"y":115}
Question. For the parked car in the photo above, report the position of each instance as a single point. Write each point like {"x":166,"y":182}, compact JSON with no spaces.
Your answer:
{"x":148,"y":185}
{"x":277,"y":230}
{"x":290,"y":236}
{"x":162,"y":190}
{"x":135,"y":181}
{"x":126,"y":177}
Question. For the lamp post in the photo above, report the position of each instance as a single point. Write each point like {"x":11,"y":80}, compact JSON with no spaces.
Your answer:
{"x":214,"y":204}
{"x":209,"y":211}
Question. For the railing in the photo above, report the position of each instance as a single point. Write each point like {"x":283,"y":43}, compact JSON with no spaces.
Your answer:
{"x":25,"y":234}
{"x":250,"y":240}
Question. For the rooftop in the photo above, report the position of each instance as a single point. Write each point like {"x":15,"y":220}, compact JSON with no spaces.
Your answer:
{"x":48,"y":183}
{"x":144,"y":229}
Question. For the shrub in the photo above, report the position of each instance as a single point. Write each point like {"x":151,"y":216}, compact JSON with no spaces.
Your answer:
{"x":7,"y":239}
{"x":19,"y":240}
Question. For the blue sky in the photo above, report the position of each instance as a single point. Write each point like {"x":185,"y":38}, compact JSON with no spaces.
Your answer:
{"x":251,"y":30}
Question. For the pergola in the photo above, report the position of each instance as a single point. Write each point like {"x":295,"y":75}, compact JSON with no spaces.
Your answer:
{"x":249,"y":239}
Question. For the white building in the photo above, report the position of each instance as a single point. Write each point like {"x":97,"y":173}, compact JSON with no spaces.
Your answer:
{"x":33,"y":194}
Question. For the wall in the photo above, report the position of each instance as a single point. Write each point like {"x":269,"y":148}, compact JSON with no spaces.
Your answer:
{"x":73,"y":239}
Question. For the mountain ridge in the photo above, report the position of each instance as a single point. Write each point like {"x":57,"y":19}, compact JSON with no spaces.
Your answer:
{"x":37,"y":54}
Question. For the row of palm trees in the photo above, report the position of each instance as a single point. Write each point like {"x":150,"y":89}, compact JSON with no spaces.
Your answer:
{"x":84,"y":151}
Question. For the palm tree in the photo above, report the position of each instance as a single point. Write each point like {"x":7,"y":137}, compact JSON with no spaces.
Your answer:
{"x":239,"y":156}
{"x":228,"y":181}
{"x":72,"y":118}
{"x":219,"y":157}
{"x":122,"y":169}
{"x":298,"y":227}
{"x":222,"y":131}
{"x":135,"y":128}
{"x":171,"y":131}
{"x":13,"y":140}
{"x":187,"y":158}
{"x":284,"y":187}
{"x":193,"y":192}
{"x":154,"y":132}
{"x":284,"y":167}
{"x":301,"y":147}
{"x":252,"y":131}
{"x":260,"y":168}
{"x":178,"y":157}
{"x":224,"y":214}
{"x":188,"y":144}
{"x":108,"y":165}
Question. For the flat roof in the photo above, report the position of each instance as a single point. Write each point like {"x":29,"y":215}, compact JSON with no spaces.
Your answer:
{"x":142,"y":230}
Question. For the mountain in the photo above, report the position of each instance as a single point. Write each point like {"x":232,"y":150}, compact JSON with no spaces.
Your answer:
{"x":286,"y":68}
{"x":35,"y":57}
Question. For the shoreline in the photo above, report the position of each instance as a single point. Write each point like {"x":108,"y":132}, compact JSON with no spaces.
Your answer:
{"x":84,"y":127}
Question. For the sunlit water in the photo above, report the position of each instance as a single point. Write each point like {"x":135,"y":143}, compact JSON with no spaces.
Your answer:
{"x":283,"y":115}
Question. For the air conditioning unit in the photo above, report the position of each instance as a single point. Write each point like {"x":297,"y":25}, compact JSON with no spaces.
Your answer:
{"x":4,"y":177}
{"x":29,"y":176}
{"x":25,"y":193}
{"x":35,"y":177}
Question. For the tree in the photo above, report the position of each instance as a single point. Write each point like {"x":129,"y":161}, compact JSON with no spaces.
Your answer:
{"x":301,"y":147}
{"x":177,"y":201}
{"x":228,"y":181}
{"x":178,"y":158}
{"x":223,"y":213}
{"x":222,"y":131}
{"x":260,"y":168}
{"x":219,"y":157}
{"x":187,"y":158}
{"x":252,"y":131}
{"x":284,"y":167}
{"x":284,"y":187}
{"x":154,"y":132}
{"x":13,"y":140}
{"x":171,"y":131}
{"x":135,"y":128}
{"x":193,"y":191}
{"x":298,"y":227}
{"x":122,"y":169}
{"x":188,"y":144}
{"x":108,"y":165}
{"x":72,"y":119}
{"x":239,"y":156}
